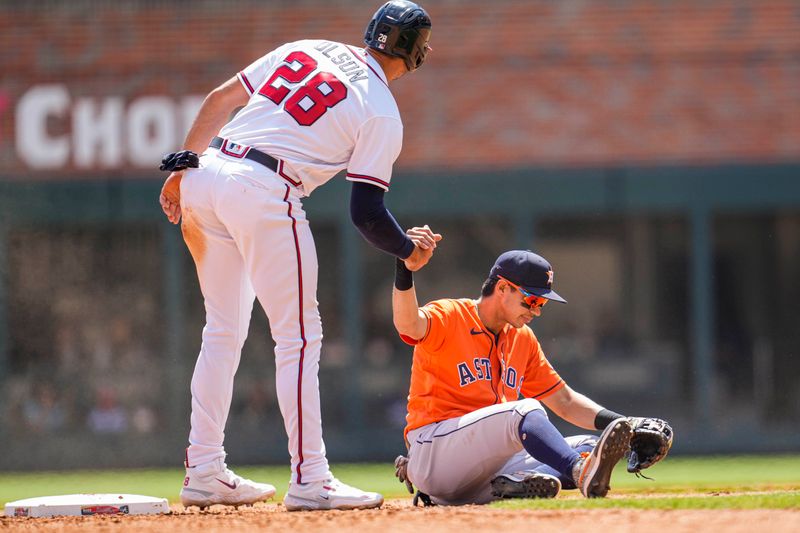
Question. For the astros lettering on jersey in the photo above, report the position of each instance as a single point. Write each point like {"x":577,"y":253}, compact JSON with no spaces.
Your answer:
{"x":459,"y":366}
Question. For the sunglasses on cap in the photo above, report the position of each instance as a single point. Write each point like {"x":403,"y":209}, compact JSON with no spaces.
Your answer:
{"x":529,"y":299}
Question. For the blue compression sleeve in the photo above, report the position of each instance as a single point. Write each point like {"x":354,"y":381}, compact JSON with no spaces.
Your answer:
{"x":541,"y":440}
{"x":376,"y":223}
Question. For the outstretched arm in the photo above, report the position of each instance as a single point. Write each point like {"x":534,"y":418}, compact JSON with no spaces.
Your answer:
{"x":213,"y":114}
{"x":409,"y":320}
{"x":377,"y":225}
{"x":573,"y":407}
{"x":652,"y":437}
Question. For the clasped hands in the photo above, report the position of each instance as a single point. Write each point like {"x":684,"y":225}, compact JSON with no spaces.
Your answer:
{"x":424,"y":240}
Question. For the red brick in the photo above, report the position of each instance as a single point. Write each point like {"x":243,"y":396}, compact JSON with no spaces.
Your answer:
{"x":511,"y":82}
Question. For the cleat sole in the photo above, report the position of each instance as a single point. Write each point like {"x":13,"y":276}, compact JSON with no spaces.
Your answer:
{"x":613,"y":445}
{"x":535,"y":486}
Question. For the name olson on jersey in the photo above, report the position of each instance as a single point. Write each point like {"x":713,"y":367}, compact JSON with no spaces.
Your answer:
{"x":482,"y":370}
{"x":345,"y":61}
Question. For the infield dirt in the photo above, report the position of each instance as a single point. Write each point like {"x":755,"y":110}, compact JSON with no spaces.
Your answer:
{"x":400,"y":516}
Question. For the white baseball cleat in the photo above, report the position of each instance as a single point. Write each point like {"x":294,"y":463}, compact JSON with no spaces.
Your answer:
{"x":592,"y":473}
{"x":214,"y":483}
{"x":329,"y":494}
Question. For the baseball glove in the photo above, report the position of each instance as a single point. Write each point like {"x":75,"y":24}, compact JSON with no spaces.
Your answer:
{"x":651,"y":441}
{"x":179,"y":161}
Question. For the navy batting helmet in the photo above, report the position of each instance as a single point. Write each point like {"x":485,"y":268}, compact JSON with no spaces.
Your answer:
{"x":401,"y":29}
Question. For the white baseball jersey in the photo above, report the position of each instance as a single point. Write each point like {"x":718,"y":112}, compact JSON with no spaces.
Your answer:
{"x":340,"y":97}
{"x":319,"y":107}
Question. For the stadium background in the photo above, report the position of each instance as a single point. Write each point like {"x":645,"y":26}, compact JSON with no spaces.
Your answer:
{"x":649,"y":149}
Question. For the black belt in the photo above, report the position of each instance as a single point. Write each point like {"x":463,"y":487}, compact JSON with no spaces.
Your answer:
{"x":243,"y":152}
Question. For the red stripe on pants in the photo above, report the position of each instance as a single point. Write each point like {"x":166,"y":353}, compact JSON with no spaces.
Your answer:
{"x":302,"y":336}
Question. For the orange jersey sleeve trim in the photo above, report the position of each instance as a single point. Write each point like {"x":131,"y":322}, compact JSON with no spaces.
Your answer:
{"x":413,"y":342}
{"x":408,"y":340}
{"x":552,"y":390}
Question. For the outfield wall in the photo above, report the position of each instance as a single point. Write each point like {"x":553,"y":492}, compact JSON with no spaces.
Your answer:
{"x":650,"y":150}
{"x":104,"y":87}
{"x":670,"y":314}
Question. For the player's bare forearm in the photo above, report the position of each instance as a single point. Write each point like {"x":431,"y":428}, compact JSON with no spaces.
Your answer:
{"x":215,"y":113}
{"x":573,"y":407}
{"x":408,"y":319}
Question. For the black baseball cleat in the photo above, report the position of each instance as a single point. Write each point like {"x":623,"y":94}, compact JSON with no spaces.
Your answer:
{"x":593,"y":470}
{"x":424,"y":499}
{"x":525,"y":486}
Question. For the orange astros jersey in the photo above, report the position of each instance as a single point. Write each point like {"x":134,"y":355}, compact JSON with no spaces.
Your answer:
{"x":459,"y":366}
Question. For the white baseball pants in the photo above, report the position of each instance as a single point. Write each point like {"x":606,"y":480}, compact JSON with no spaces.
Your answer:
{"x":249,"y":237}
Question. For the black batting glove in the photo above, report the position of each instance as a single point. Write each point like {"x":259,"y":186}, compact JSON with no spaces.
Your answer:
{"x":179,"y":161}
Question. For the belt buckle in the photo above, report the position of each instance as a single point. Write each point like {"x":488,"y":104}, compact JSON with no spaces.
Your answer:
{"x":239,"y":151}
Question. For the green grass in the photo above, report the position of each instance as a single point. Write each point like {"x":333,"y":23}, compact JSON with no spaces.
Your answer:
{"x":713,"y":482}
{"x":166,"y":483}
{"x":780,"y":500}
{"x":729,"y":472}
{"x":694,"y":483}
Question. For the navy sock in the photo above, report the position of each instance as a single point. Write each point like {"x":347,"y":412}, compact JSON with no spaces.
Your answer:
{"x":542,"y":441}
{"x":567,"y":482}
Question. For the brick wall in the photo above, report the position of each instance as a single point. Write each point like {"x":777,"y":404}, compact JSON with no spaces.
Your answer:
{"x":509,"y":83}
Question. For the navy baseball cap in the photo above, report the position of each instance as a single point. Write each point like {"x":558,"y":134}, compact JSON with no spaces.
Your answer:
{"x":530,"y":271}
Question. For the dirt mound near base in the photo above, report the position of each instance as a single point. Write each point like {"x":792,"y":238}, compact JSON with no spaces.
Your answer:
{"x":400,"y":516}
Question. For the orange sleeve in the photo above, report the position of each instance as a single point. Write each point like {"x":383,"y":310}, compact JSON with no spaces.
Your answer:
{"x":437,"y":313}
{"x":541,"y":379}
{"x":413,"y":342}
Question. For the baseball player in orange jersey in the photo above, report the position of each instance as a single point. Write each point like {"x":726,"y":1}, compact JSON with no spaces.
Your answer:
{"x":309,"y":109}
{"x":476,"y":426}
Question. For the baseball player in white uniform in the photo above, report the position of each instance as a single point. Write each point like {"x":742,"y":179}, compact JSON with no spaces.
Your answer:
{"x":312,"y":108}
